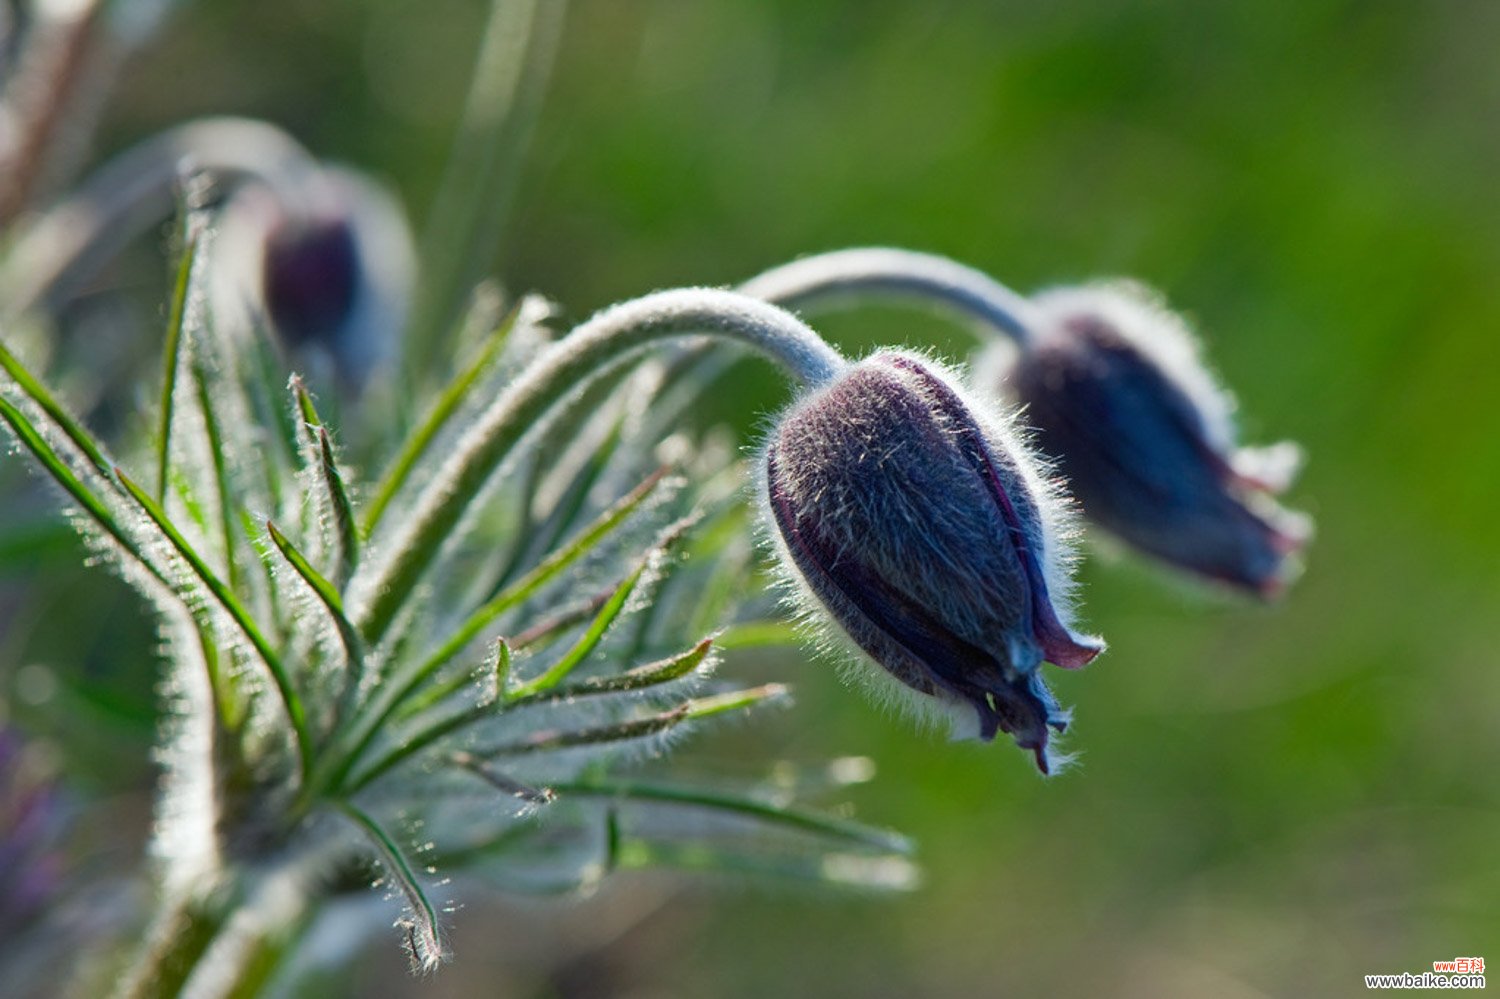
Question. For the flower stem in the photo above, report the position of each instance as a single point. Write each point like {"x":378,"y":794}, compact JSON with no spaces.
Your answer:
{"x":820,"y":281}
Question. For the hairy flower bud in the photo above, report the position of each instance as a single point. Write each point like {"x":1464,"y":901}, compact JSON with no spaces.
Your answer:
{"x":326,"y":257}
{"x":926,"y":534}
{"x":1113,"y":385}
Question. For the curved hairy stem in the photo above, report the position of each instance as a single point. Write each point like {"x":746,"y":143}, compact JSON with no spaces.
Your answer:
{"x":906,"y":276}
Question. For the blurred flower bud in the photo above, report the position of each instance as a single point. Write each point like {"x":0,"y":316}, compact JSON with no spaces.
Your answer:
{"x":310,"y":278}
{"x":925,"y":533}
{"x":326,"y":257}
{"x":1113,"y":384}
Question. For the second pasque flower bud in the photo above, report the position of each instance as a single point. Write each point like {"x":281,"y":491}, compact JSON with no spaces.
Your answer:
{"x":1113,"y":385}
{"x":326,"y":257}
{"x":923,"y":530}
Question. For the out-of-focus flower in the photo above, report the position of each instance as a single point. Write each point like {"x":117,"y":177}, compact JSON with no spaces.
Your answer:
{"x":326,"y":256}
{"x":926,"y":533}
{"x":1113,"y":384}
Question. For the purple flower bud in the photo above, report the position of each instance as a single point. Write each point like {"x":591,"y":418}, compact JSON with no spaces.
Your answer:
{"x":925,"y":533}
{"x":326,"y":257}
{"x":1113,"y":384}
{"x":311,"y":276}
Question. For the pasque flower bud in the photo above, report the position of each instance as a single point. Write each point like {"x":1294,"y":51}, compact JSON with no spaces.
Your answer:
{"x":326,"y":257}
{"x":1112,"y":383}
{"x":925,"y":532}
{"x":311,"y":275}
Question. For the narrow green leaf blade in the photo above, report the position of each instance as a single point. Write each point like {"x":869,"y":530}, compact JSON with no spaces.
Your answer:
{"x":85,"y":497}
{"x":343,"y":511}
{"x":37,"y":393}
{"x":424,"y":935}
{"x":225,"y":496}
{"x":550,"y":740}
{"x":291,"y":700}
{"x":448,"y":402}
{"x":335,"y":494}
{"x":172,"y":353}
{"x":642,"y":677}
{"x":547,"y":570}
{"x":790,"y":817}
{"x":347,"y":750}
{"x":326,"y":593}
{"x":302,"y":399}
{"x":586,"y":643}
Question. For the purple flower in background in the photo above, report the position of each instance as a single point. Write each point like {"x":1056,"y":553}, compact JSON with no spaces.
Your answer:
{"x":326,"y":257}
{"x":1113,"y":385}
{"x":311,"y":275}
{"x":925,"y":532}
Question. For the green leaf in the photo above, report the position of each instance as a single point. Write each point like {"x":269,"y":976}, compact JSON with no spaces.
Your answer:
{"x":641,"y":678}
{"x":302,"y":399}
{"x":545,"y":631}
{"x":335,"y":494}
{"x":540,"y":537}
{"x":652,"y":674}
{"x":798,"y":819}
{"x":327,"y":595}
{"x":548,"y":569}
{"x":586,"y":643}
{"x":266,"y":381}
{"x":448,"y":402}
{"x":423,"y":932}
{"x":565,"y":511}
{"x":703,"y":707}
{"x":225,"y":497}
{"x":343,"y":511}
{"x":226,"y":600}
{"x":391,"y":694}
{"x":499,"y":663}
{"x":89,"y":501}
{"x":171,"y":354}
{"x":102,"y":516}
{"x":38,"y":394}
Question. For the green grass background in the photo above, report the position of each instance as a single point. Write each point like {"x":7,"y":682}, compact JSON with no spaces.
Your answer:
{"x":1272,"y":800}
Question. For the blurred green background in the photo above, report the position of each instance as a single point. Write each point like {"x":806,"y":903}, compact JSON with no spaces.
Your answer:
{"x":1272,"y":800}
